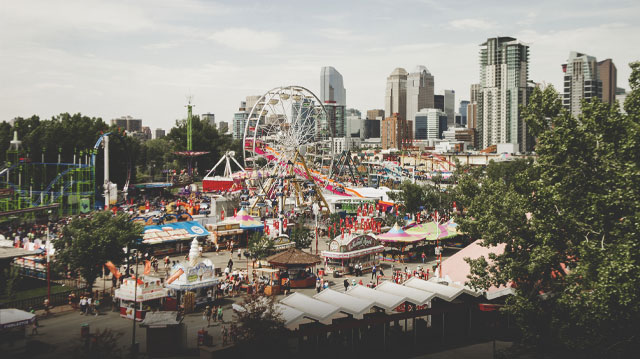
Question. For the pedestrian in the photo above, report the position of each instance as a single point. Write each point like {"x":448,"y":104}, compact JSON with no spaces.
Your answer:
{"x":287,"y":286}
{"x":346,"y":284}
{"x":220,"y":314}
{"x":83,"y":305}
{"x":230,"y":264}
{"x":166,"y":262}
{"x":89,"y":306}
{"x":318,"y":285}
{"x":373,"y":272}
{"x":96,"y":306}
{"x":34,"y":328}
{"x":424,"y":256}
{"x":209,"y":296}
{"x":239,"y":254}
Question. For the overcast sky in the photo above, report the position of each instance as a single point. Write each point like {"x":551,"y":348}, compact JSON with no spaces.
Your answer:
{"x":142,"y":58}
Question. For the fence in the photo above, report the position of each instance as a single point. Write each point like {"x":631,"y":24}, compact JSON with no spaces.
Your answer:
{"x":61,"y":298}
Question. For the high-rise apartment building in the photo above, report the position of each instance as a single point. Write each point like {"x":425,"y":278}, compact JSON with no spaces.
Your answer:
{"x":581,"y":81}
{"x":420,"y":85}
{"x":395,"y":100}
{"x":334,"y":98}
{"x":609,"y":77}
{"x":504,"y":68}
{"x":450,"y":107}
{"x":210,"y":118}
{"x":395,"y":132}
{"x":240,"y":120}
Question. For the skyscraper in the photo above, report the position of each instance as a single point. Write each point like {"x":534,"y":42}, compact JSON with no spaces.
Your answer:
{"x":463,"y":111}
{"x":395,"y":100}
{"x":581,"y":81}
{"x":240,"y":120}
{"x":504,"y":68}
{"x":334,"y":98}
{"x":450,"y":107}
{"x":210,"y":118}
{"x":372,"y":123}
{"x":428,"y":123}
{"x":159,"y":133}
{"x":609,"y":77}
{"x":419,"y":91}
{"x":438,"y":102}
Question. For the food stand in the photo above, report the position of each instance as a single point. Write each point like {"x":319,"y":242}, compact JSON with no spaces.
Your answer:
{"x":224,"y":232}
{"x":347,"y":251}
{"x":171,"y":238}
{"x":272,"y":287}
{"x":298,"y":266}
{"x":193,"y":276}
{"x":148,"y":295}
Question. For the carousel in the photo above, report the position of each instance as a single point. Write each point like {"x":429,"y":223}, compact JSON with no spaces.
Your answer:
{"x":345,"y":251}
{"x":396,"y":242}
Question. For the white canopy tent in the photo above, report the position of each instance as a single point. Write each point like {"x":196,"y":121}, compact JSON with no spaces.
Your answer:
{"x":388,"y":302}
{"x":11,"y":318}
{"x":291,"y":316}
{"x":349,"y":304}
{"x":312,"y":308}
{"x":441,"y":291}
{"x":413,"y":295}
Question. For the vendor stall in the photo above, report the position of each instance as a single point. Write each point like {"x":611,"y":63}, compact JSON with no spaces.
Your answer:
{"x":195,"y":276}
{"x":225,"y":232}
{"x":282,"y":243}
{"x":348,"y":250}
{"x":270,"y":278}
{"x":146,"y":296}
{"x":296,"y":265}
{"x":13,"y":323}
{"x":170,"y":238}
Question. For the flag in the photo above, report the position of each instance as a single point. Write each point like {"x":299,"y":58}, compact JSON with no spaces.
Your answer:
{"x":147,"y":267}
{"x":113,"y":269}
{"x":175,"y":276}
{"x":138,"y":280}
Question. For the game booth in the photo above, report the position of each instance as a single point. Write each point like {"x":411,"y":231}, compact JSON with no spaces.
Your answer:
{"x":170,"y":238}
{"x":149,"y":295}
{"x":296,"y":265}
{"x":345,"y":251}
{"x":197,"y":277}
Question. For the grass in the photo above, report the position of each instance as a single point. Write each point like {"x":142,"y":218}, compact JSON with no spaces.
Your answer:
{"x":29,"y":288}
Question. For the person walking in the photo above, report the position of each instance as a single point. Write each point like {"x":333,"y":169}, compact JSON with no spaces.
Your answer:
{"x":424,"y":257}
{"x":346,"y":284}
{"x":373,"y":272}
{"x":220,"y":314}
{"x":230,"y":264}
{"x":83,"y":305}
{"x":318,"y":285}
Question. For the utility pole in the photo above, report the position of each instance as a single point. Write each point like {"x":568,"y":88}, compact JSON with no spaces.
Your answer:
{"x":134,"y":345}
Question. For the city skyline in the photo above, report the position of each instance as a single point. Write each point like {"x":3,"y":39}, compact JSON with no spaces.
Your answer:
{"x":109,"y":59}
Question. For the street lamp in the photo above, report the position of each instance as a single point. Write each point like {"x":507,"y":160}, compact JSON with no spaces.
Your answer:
{"x":134,"y":345}
{"x":316,"y":210}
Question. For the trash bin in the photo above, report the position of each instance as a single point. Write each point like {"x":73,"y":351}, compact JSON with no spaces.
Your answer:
{"x":84,"y":330}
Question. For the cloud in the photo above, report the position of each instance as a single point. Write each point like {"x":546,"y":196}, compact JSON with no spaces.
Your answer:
{"x":247,"y":39}
{"x":472,"y":24}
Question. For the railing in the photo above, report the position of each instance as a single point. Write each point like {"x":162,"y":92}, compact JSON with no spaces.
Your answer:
{"x":61,"y":298}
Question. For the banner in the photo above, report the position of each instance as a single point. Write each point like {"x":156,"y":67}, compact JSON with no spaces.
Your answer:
{"x":113,"y":269}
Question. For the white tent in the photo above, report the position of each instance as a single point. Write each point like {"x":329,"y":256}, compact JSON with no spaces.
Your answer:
{"x":440,"y":290}
{"x":413,"y":295}
{"x":312,"y":308}
{"x":291,"y":316}
{"x":11,"y":318}
{"x":386,"y":301}
{"x":348,"y":304}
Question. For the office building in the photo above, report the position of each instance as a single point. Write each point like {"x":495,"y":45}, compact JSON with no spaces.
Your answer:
{"x":438,"y":102}
{"x":581,"y":81}
{"x":395,"y":132}
{"x":159,"y":133}
{"x":372,"y":123}
{"x":504,"y":68}
{"x":450,"y":107}
{"x":463,"y":112}
{"x":209,"y":118}
{"x":609,"y":78}
{"x":396,"y":94}
{"x":128,"y":123}
{"x":332,"y":89}
{"x":355,"y":124}
{"x":419,"y":91}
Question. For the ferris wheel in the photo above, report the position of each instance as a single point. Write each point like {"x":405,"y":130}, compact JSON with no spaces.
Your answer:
{"x":287,"y":134}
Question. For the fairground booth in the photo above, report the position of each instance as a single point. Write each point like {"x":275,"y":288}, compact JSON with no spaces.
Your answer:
{"x":146,"y":296}
{"x":296,"y":265}
{"x":345,"y":251}
{"x":13,"y":323}
{"x":396,"y":242}
{"x":196,"y":276}
{"x":170,"y":238}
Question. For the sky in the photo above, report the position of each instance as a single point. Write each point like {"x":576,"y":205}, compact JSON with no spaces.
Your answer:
{"x":143,"y":58}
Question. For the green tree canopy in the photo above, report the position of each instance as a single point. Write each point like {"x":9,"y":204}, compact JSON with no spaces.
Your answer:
{"x":570,"y":223}
{"x":87,"y":243}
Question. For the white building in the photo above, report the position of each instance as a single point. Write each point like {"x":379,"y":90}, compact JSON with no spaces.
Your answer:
{"x":581,"y":81}
{"x":395,"y":99}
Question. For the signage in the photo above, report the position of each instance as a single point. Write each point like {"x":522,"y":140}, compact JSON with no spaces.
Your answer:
{"x":360,"y":242}
{"x":334,"y":246}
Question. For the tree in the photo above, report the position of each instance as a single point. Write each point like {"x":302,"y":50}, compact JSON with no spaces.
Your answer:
{"x":570,"y":223}
{"x":258,"y":327}
{"x":87,"y":243}
{"x":260,"y":246}
{"x":301,"y":236}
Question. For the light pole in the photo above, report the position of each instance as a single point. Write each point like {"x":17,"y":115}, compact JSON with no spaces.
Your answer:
{"x":134,"y":346}
{"x":316,"y":210}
